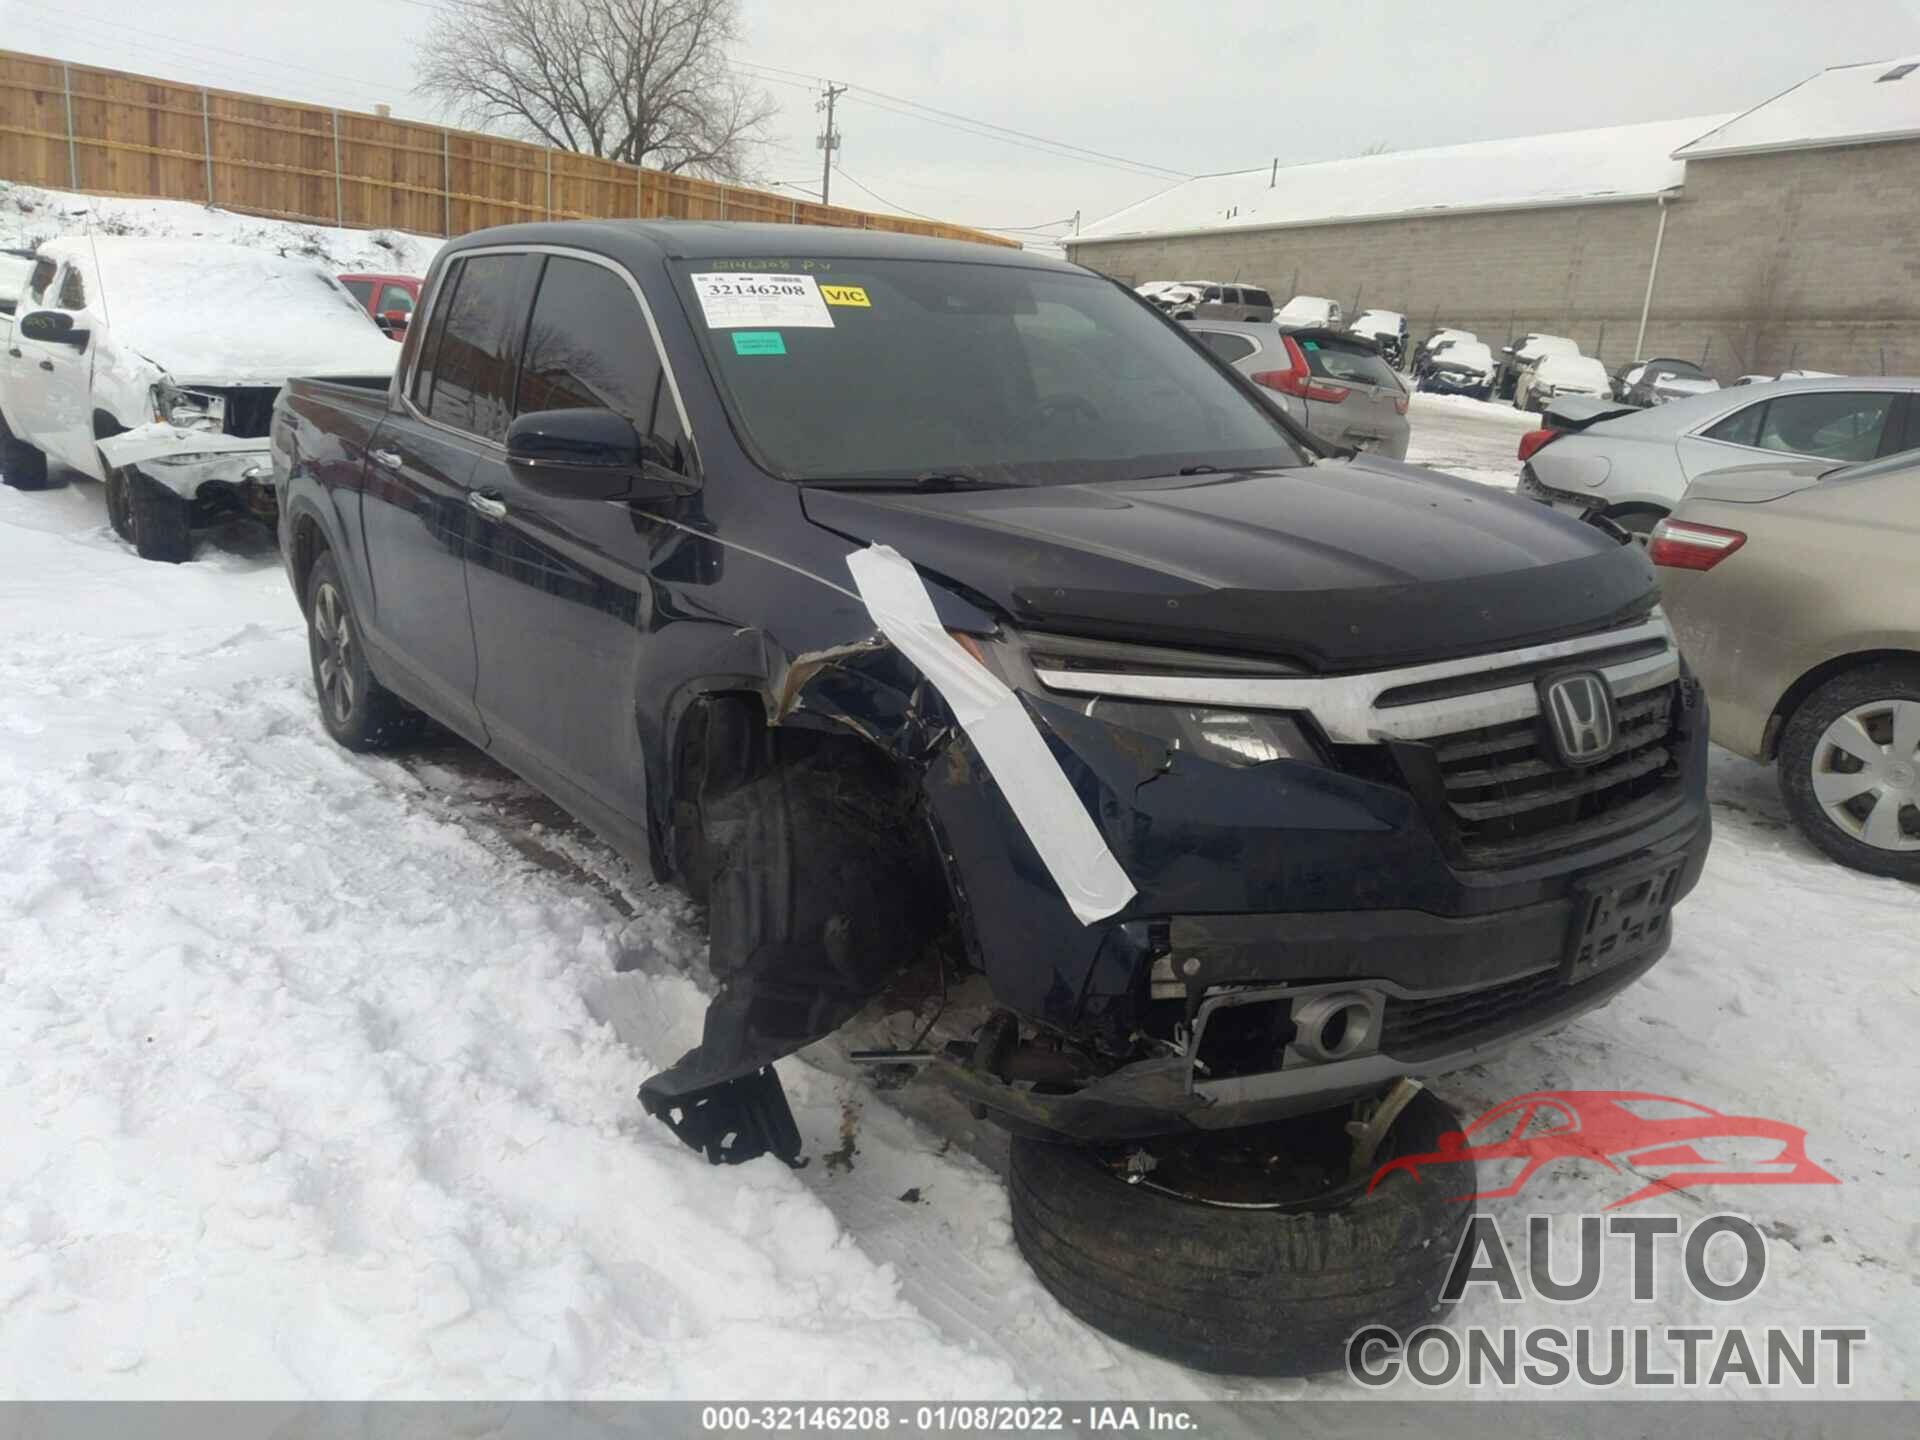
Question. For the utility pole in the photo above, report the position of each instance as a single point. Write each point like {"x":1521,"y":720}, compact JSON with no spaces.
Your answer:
{"x":829,"y":141}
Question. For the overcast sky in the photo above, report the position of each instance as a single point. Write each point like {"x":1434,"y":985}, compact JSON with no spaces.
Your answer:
{"x":1193,"y":87}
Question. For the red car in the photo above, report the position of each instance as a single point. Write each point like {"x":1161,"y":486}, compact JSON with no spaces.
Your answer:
{"x":388,"y":298}
{"x":1625,"y":1129}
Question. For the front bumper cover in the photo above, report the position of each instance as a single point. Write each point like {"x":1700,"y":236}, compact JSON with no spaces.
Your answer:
{"x":184,"y":460}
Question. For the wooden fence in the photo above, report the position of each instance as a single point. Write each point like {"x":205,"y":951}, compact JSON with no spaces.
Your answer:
{"x":106,"y":132}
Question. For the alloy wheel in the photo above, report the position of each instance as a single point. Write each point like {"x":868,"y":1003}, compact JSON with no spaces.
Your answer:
{"x":1866,"y":773}
{"x":333,"y":652}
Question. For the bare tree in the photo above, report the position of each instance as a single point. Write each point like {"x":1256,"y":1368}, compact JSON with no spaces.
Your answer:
{"x":644,"y":81}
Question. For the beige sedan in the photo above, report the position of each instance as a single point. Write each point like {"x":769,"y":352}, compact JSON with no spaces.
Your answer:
{"x":1795,"y":589}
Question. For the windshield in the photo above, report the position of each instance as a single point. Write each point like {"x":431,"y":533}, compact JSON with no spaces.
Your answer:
{"x":900,"y":369}
{"x":1674,"y":370}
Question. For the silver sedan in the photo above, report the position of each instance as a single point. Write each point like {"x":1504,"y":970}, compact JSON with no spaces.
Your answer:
{"x":1335,"y":384}
{"x":1632,"y":466}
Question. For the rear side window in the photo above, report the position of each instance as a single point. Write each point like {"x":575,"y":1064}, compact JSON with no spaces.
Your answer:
{"x":1258,"y":297}
{"x":1740,"y":428}
{"x":1228,"y":347}
{"x":467,"y":365}
{"x":1338,"y":362}
{"x":361,"y":290}
{"x":1836,"y":425}
{"x":588,"y":348}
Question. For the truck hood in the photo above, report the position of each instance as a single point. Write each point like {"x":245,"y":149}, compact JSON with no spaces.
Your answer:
{"x":1342,"y":565}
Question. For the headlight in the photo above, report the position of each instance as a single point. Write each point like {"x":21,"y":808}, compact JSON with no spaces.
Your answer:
{"x":188,"y":409}
{"x":1222,"y":736}
{"x":1226,"y":737}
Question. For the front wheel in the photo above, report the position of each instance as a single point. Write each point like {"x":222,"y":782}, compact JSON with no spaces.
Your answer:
{"x":357,"y":710}
{"x":1850,"y":769}
{"x":157,"y":522}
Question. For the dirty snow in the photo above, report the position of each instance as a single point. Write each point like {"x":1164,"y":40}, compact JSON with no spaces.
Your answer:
{"x":317,"y":1071}
{"x":30,"y":215}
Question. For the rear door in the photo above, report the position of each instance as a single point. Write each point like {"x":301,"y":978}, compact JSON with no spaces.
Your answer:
{"x":419,"y":473}
{"x":560,"y":593}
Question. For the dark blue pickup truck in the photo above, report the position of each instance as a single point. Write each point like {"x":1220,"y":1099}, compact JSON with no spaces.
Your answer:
{"x":883,"y":590}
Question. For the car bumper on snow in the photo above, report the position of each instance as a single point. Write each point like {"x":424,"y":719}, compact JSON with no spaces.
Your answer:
{"x":228,"y":472}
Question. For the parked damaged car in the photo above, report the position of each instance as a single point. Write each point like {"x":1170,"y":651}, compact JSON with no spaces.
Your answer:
{"x":152,"y":366}
{"x":1459,"y":367}
{"x":904,"y":597}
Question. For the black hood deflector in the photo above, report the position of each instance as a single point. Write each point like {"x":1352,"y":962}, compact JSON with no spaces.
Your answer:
{"x":1339,"y":566}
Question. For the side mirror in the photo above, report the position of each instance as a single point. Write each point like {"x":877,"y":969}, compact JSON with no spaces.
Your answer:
{"x":589,"y":455}
{"x":52,"y":327}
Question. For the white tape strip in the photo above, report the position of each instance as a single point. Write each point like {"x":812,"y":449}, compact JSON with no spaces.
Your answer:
{"x":1048,"y":809}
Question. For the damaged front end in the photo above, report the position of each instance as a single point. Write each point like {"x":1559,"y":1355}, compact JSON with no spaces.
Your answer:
{"x":208,"y":445}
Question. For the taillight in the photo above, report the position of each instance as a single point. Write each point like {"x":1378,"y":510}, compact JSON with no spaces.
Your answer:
{"x":1299,"y":381}
{"x":1400,"y":405}
{"x":1684,"y":545}
{"x":1534,"y":439}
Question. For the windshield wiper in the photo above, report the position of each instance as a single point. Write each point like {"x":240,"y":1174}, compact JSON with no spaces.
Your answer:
{"x":925,"y":480}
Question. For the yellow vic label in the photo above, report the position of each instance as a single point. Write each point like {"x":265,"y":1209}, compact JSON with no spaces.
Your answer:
{"x":846,"y":295}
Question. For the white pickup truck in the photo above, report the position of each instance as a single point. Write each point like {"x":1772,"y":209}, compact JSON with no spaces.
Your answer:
{"x":152,"y":365}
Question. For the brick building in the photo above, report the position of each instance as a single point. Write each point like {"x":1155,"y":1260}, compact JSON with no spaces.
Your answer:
{"x":1786,"y":236}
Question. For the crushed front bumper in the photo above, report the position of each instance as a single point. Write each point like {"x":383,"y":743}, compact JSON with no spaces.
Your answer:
{"x":187,"y":461}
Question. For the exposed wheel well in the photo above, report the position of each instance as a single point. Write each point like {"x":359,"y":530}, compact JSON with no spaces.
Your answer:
{"x":1812,"y":681}
{"x":1621,"y":513}
{"x":308,"y":546}
{"x":104,"y":425}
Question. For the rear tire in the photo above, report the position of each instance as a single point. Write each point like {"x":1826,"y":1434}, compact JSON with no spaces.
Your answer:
{"x":1238,"y":1291}
{"x":1812,"y":762}
{"x":357,"y":710}
{"x":161,"y":521}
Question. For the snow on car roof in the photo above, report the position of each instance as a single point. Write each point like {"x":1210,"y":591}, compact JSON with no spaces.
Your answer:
{"x":1470,"y":353}
{"x":1842,"y":105}
{"x":1566,"y":369}
{"x":1384,"y":319}
{"x":1307,"y":305}
{"x":226,"y":314}
{"x":1614,"y":163}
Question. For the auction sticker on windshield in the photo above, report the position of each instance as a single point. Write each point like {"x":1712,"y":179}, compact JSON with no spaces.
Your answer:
{"x":764,"y":302}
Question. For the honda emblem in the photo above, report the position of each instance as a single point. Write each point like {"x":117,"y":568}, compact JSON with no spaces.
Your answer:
{"x":1579,"y":711}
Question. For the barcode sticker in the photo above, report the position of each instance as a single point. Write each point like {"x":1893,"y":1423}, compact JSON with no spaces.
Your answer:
{"x":761,"y":301}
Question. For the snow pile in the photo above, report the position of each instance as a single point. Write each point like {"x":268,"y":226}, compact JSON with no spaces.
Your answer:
{"x":1617,"y":162}
{"x":30,"y":216}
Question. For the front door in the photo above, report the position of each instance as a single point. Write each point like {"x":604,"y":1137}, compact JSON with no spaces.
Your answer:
{"x":559,"y":587}
{"x":52,"y":380}
{"x":419,"y":478}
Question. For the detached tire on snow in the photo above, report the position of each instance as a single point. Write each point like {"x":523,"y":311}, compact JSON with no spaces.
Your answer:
{"x":1235,"y":1290}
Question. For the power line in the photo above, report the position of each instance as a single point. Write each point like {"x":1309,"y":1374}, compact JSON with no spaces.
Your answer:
{"x":978,"y":126}
{"x":894,"y":205}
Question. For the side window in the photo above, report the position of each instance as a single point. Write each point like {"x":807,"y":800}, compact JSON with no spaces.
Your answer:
{"x":588,"y":348}
{"x":73,"y":290}
{"x":1228,"y":347}
{"x":1258,"y":297}
{"x":361,"y":290}
{"x":1837,"y":425}
{"x":430,"y":342}
{"x":40,"y":280}
{"x":1212,"y":292}
{"x":394,"y":297}
{"x":1230,"y":294}
{"x":472,"y":363}
{"x":1740,"y":428}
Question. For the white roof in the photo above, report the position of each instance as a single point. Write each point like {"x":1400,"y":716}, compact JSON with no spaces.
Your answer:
{"x":1619,"y":162}
{"x":1565,"y":369}
{"x":1845,"y":105}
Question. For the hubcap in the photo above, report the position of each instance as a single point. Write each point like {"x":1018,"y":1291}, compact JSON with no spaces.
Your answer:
{"x":333,"y":653}
{"x":1866,"y":773}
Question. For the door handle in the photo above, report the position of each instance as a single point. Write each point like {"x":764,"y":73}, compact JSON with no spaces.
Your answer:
{"x":389,"y":458}
{"x":46,"y":364}
{"x":488,"y":506}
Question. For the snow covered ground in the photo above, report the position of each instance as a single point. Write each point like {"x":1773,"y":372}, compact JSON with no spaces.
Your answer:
{"x":1477,"y":439}
{"x":317,"y":1072}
